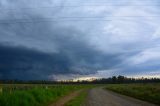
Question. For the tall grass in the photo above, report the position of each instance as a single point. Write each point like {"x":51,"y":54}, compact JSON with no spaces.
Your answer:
{"x":35,"y":95}
{"x":146,"y":92}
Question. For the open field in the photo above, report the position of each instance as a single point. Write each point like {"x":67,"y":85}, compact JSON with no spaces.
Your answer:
{"x":146,"y":92}
{"x":76,"y":95}
{"x":34,"y":95}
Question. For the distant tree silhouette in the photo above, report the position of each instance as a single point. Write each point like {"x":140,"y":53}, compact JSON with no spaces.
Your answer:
{"x":120,"y":79}
{"x":112,"y":80}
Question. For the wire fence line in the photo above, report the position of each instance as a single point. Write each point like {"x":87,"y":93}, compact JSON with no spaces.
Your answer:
{"x":91,"y":3}
{"x":72,"y":6}
{"x":62,"y":19}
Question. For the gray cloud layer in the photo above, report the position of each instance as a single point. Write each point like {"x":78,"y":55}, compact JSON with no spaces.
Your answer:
{"x":40,"y":39}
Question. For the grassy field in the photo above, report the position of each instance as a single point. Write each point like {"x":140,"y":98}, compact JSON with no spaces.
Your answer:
{"x":43,"y":95}
{"x":79,"y":100}
{"x":146,"y":92}
{"x":34,"y":95}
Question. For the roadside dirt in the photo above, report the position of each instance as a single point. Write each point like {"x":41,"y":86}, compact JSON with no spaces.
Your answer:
{"x":102,"y":97}
{"x":62,"y":101}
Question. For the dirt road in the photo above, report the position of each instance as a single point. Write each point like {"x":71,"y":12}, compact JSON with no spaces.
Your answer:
{"x":102,"y":97}
{"x":65,"y":99}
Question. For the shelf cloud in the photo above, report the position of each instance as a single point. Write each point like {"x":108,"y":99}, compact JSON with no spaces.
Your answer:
{"x":46,"y":39}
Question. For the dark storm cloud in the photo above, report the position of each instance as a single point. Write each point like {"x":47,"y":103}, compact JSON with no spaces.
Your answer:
{"x":37,"y":41}
{"x":37,"y":50}
{"x":24,"y":63}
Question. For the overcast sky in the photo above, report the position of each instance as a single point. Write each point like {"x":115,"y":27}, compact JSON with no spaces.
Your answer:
{"x":64,"y":39}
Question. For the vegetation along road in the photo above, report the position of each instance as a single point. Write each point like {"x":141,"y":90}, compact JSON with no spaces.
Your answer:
{"x":81,"y":95}
{"x":104,"y":96}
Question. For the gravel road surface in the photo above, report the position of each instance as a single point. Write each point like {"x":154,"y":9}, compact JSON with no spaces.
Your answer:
{"x":102,"y":97}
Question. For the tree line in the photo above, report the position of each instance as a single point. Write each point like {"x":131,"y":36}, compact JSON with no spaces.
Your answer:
{"x":111,"y":80}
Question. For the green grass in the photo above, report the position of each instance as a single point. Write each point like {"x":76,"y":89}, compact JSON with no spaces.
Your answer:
{"x":34,"y":96}
{"x":79,"y":100}
{"x":146,"y":92}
